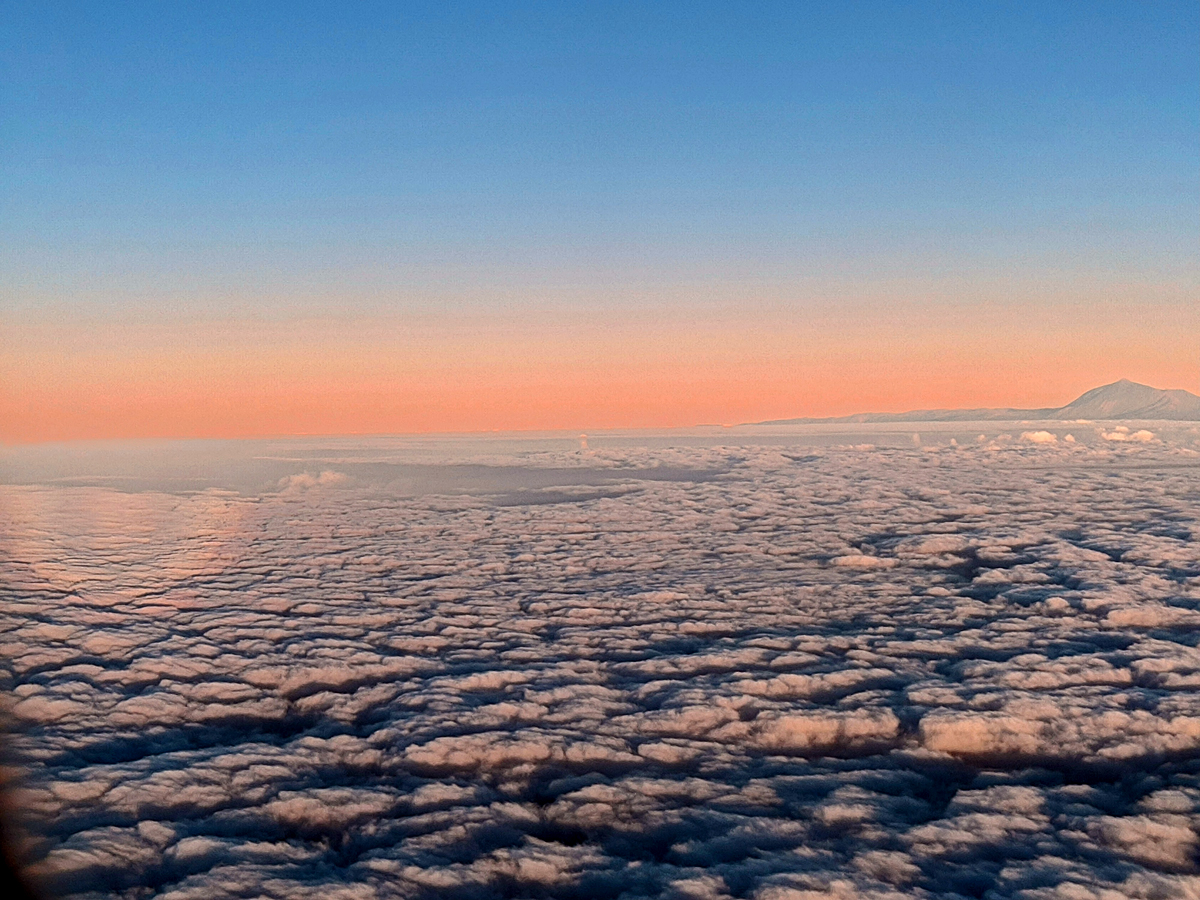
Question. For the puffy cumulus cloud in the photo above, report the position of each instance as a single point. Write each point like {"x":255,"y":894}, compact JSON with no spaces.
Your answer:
{"x":1040,"y":437}
{"x":1121,"y":433}
{"x":821,"y":733}
{"x":684,"y":672}
{"x":1044,"y":732}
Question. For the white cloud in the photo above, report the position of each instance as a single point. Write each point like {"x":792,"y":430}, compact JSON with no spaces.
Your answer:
{"x":829,"y":673}
{"x":306,"y":480}
{"x":1039,"y":437}
{"x":1122,"y":434}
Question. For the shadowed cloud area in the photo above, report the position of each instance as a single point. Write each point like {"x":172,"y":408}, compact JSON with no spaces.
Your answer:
{"x":710,"y":665}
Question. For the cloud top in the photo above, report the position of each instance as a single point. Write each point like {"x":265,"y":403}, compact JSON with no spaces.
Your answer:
{"x":740,"y":671}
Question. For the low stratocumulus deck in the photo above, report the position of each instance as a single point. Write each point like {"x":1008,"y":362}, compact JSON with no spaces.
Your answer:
{"x":724,"y":663}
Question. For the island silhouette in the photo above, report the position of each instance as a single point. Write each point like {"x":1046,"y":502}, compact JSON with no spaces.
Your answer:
{"x":1122,"y":399}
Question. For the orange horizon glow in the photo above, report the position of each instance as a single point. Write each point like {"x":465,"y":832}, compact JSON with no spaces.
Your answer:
{"x":557,"y":370}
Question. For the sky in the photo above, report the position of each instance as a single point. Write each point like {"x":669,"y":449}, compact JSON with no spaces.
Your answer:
{"x":259,"y":219}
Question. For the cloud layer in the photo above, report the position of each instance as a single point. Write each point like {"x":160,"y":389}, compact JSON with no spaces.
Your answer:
{"x":858,"y":672}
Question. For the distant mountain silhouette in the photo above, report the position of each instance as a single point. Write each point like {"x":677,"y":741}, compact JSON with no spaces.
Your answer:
{"x":1122,"y":399}
{"x":1129,"y":400}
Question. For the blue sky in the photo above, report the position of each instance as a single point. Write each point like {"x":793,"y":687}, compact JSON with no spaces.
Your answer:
{"x":270,"y":218}
{"x":178,"y":149}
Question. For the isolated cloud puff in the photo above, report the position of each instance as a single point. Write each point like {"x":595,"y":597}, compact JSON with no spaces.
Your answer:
{"x":1040,"y":437}
{"x":305,"y":480}
{"x":1121,"y":433}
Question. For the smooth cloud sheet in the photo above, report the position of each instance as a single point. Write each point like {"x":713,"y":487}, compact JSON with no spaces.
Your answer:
{"x":697,"y":671}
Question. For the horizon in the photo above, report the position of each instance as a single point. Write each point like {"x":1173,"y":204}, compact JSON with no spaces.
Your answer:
{"x":559,"y":433}
{"x":448,"y":218}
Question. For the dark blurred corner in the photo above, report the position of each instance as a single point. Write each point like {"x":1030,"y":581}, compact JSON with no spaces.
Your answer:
{"x":13,"y":886}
